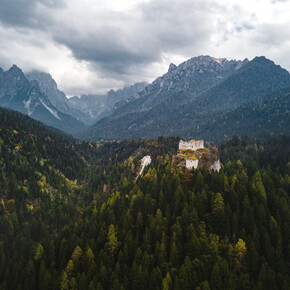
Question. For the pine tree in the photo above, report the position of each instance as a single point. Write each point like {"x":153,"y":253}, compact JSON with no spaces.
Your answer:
{"x":112,"y":244}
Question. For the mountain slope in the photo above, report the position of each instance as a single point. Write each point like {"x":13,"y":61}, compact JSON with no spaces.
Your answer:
{"x":177,"y":228}
{"x":32,"y":140}
{"x":20,"y":94}
{"x":188,"y":80}
{"x":95,"y":107}
{"x":58,"y":99}
{"x":269,"y":115}
{"x":182,"y":113}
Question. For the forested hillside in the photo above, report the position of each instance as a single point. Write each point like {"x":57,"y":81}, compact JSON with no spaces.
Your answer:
{"x":72,"y":215}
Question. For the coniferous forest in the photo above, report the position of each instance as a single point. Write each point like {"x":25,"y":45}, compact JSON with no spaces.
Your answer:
{"x":73,"y":215}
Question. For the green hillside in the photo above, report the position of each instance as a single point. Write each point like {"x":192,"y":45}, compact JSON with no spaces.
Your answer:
{"x":73,"y":215}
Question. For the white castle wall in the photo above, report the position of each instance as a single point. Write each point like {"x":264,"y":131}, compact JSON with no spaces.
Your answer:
{"x":192,"y":145}
{"x":191,"y":164}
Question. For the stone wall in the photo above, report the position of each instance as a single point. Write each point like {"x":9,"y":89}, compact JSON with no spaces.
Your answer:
{"x":192,"y":145}
{"x":191,"y":164}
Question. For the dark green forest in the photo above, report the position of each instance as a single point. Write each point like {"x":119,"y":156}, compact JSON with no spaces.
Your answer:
{"x":74,"y":216}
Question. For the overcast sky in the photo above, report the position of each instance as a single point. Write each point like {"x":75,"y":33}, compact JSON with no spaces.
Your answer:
{"x":91,"y":46}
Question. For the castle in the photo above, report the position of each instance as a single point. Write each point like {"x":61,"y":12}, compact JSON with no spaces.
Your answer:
{"x":192,"y":145}
{"x":193,"y":154}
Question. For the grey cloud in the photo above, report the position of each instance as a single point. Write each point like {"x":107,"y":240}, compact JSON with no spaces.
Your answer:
{"x":272,"y":35}
{"x":24,"y":13}
{"x":125,"y":46}
{"x":277,"y":1}
{"x":141,"y":37}
{"x":116,"y":43}
{"x":108,"y":48}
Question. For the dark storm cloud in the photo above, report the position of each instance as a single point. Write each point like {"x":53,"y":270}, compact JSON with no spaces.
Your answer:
{"x":108,"y":48}
{"x":116,"y":41}
{"x":23,"y":13}
{"x":111,"y":44}
{"x":141,"y":36}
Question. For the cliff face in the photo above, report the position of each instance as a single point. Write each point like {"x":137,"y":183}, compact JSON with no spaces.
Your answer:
{"x":20,"y":94}
{"x":58,"y":99}
{"x":96,"y":107}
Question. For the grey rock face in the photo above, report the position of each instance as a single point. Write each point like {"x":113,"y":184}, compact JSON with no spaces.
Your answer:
{"x":58,"y":99}
{"x":98,"y":106}
{"x":88,"y":108}
{"x":48,"y":86}
{"x":20,"y":94}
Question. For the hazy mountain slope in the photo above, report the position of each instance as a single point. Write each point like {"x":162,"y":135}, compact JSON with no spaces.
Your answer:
{"x":182,"y":114}
{"x":20,"y":94}
{"x":96,"y":107}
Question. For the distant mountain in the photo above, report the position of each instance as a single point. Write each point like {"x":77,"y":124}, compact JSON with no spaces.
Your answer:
{"x":188,"y":99}
{"x":96,"y":107}
{"x":87,"y":108}
{"x":20,"y":94}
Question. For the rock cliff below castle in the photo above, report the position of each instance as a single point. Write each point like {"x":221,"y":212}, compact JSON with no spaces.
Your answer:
{"x":193,"y":154}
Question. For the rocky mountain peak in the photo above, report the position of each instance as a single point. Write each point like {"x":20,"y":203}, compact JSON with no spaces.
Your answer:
{"x":15,"y":68}
{"x":263,"y":60}
{"x":15,"y":72}
{"x":111,"y":93}
{"x":44,"y":79}
{"x":190,"y":77}
{"x":209,"y":62}
{"x":172,"y":67}
{"x":11,"y":81}
{"x":48,"y":87}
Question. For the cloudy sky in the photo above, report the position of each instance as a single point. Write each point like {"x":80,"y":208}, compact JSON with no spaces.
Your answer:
{"x":90,"y":46}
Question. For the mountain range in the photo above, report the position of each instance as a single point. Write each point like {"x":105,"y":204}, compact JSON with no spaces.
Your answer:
{"x":96,"y":107}
{"x":203,"y":97}
{"x":189,"y":99}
